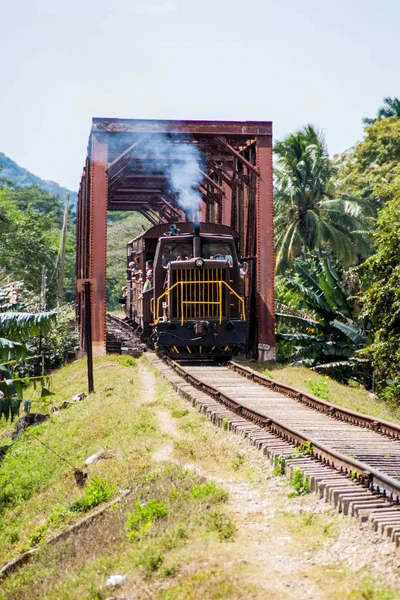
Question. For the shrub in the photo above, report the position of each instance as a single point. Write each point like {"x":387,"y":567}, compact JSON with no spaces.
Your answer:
{"x":209,"y":491}
{"x":151,"y":560}
{"x":300,"y":482}
{"x":143,"y":517}
{"x":126,"y":361}
{"x":96,"y":492}
{"x":177,"y":413}
{"x":222,"y":524}
{"x":319,"y":388}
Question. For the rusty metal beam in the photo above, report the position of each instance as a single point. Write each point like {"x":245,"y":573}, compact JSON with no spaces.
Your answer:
{"x":265,"y":252}
{"x":117,"y":161}
{"x":240,"y":158}
{"x":214,"y":183}
{"x":123,"y":190}
{"x":177,"y":212}
{"x":150,"y":217}
{"x":98,"y":240}
{"x":225,"y":176}
{"x":243,"y":129}
{"x":208,"y":194}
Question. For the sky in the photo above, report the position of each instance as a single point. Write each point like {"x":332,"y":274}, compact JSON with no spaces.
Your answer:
{"x":291,"y":62}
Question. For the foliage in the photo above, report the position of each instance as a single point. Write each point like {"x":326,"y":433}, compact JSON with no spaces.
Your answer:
{"x":96,"y":492}
{"x":300,"y":482}
{"x":209,"y":491}
{"x":306,"y":448}
{"x":326,"y":326}
{"x":121,"y":229}
{"x":39,"y":200}
{"x":17,"y":326}
{"x":309,"y":215}
{"x":390,"y":108}
{"x":381,"y":300}
{"x":150,"y":560}
{"x":372,"y":168}
{"x":222,"y":525}
{"x":279,"y":465}
{"x":319,"y":388}
{"x":30,"y":235}
{"x":280,"y":462}
{"x":58,"y":345}
{"x":143,"y":517}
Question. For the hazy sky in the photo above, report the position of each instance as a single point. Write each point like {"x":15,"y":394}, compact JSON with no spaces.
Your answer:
{"x":293,"y":62}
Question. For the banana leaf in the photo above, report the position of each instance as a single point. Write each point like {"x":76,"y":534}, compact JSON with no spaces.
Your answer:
{"x":353,"y":332}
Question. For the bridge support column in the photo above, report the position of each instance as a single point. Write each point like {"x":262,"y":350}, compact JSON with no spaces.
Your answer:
{"x":265,"y":252}
{"x":98,"y":240}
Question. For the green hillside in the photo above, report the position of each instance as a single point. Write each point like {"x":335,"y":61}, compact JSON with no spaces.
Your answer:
{"x":24,"y":178}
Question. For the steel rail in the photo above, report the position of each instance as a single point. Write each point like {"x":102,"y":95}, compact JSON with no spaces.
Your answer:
{"x":369,"y":477}
{"x":386,"y":428}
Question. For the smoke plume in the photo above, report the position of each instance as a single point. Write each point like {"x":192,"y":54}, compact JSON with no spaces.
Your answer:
{"x":183,"y":162}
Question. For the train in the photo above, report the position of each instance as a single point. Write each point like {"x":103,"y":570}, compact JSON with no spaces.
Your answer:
{"x":184,"y":290}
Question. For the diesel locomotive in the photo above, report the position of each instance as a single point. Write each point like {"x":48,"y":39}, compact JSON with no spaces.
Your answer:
{"x":184,"y":290}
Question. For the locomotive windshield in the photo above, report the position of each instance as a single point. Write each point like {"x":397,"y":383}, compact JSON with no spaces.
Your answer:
{"x":176,"y":251}
{"x":217,"y":251}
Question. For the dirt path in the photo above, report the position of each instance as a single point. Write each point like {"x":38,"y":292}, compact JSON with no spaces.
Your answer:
{"x":275,"y":551}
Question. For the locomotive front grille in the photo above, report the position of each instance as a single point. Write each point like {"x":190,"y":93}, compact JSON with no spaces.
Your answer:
{"x":199,"y":294}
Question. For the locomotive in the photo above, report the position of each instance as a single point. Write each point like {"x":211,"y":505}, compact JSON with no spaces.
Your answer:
{"x":184,"y":290}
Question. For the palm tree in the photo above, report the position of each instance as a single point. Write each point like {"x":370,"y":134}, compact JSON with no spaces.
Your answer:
{"x":390,"y":108}
{"x":308,"y":216}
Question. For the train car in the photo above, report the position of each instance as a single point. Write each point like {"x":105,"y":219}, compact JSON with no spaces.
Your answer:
{"x":185,"y":290}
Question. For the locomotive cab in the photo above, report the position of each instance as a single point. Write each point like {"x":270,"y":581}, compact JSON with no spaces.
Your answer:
{"x":195,"y":307}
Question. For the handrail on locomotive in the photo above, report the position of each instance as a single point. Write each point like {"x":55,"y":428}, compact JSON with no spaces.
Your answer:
{"x":219,"y":302}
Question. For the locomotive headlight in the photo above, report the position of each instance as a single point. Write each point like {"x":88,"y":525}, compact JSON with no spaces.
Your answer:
{"x":199,"y":262}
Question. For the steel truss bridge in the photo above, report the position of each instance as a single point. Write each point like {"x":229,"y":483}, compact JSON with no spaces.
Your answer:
{"x":236,"y":190}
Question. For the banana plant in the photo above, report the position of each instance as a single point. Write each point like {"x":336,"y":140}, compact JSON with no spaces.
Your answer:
{"x":329,"y":328}
{"x":15,"y":327}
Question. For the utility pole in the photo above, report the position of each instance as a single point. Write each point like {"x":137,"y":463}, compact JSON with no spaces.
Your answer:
{"x":43,"y":289}
{"x":62,"y":253}
{"x":40,"y":363}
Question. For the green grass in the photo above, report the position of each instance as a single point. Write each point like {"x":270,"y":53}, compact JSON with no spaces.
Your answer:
{"x":178,"y":534}
{"x":306,"y":380}
{"x":33,"y":480}
{"x":170,"y":508}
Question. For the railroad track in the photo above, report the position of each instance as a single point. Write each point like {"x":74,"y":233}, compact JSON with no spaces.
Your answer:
{"x":121,"y":337}
{"x":352,"y":460}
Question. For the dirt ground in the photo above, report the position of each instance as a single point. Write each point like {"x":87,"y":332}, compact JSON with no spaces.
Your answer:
{"x":296,"y":548}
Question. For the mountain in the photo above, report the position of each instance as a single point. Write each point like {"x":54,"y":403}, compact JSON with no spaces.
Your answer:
{"x":24,"y":178}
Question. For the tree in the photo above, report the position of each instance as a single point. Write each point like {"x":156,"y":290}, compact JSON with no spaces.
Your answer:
{"x":121,"y":230}
{"x":39,"y":200}
{"x":372,"y":168}
{"x":325,"y":325}
{"x":308,"y":213}
{"x":390,"y":108}
{"x":30,"y":234}
{"x":381,"y":301}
